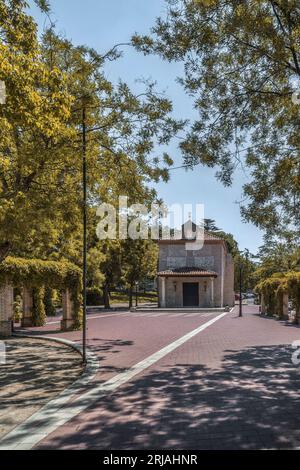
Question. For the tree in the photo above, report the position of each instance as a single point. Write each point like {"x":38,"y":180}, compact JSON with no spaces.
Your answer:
{"x":244,"y":265}
{"x":232,"y":244}
{"x":111,"y":268}
{"x":276,"y":256}
{"x":49,"y":85}
{"x":33,"y":125}
{"x":124,"y":130}
{"x":210,"y":225}
{"x":244,"y":260}
{"x":139,"y":261}
{"x":241,"y":61}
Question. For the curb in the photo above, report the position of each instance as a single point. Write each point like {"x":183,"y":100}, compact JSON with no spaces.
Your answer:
{"x":178,"y":309}
{"x":19,"y":438}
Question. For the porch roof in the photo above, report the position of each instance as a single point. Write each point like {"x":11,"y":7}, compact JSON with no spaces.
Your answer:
{"x":186,"y":272}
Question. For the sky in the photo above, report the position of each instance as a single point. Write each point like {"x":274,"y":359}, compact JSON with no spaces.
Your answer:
{"x":103,"y":23}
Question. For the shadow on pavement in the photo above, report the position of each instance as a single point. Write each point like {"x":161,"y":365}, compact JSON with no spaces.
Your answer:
{"x":35,"y":372}
{"x":251,"y":402}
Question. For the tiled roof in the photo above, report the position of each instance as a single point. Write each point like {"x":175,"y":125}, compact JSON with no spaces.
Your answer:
{"x":195,"y":272}
{"x":207,"y":236}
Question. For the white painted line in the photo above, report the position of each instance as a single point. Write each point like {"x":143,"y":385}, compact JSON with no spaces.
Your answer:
{"x":143,"y":315}
{"x":203,"y":315}
{"x":161,"y":314}
{"x":54,"y":415}
{"x":90,"y":317}
{"x":182,"y":315}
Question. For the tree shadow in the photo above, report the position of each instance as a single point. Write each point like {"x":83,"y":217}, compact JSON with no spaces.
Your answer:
{"x":35,"y":371}
{"x":288,"y":323}
{"x":250,"y":402}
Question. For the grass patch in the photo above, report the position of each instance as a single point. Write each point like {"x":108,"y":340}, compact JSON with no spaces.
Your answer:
{"x":120,"y":297}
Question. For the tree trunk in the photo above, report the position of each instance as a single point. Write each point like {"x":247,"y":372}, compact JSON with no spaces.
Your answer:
{"x":106,"y":296}
{"x":4,"y":250}
{"x":130,"y":296}
{"x":297,"y":315}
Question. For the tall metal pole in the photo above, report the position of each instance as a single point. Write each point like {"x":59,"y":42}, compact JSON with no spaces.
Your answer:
{"x":84,"y":214}
{"x":241,"y":300}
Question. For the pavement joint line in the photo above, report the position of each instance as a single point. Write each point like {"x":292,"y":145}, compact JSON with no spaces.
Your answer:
{"x":90,"y":317}
{"x":140,"y":313}
{"x":52,"y":415}
{"x":27,"y":435}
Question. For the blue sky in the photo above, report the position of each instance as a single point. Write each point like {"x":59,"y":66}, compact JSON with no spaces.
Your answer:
{"x":103,"y":23}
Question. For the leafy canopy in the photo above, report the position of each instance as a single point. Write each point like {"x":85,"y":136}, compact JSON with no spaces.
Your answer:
{"x":241,"y":62}
{"x":49,"y":84}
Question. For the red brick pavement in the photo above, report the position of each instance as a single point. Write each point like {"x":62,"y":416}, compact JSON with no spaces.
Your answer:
{"x":233,"y":386}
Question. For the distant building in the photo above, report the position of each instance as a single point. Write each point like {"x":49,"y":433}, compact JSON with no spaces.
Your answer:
{"x":201,"y":278}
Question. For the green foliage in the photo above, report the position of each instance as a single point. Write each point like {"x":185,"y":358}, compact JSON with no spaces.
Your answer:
{"x":277,"y":255}
{"x":94,"y":296}
{"x":17,"y":307}
{"x":139,"y":260}
{"x":37,"y":274}
{"x":110,"y":267}
{"x":38,"y":308}
{"x":275,"y":286}
{"x":244,"y":260}
{"x":49,"y":83}
{"x":232,"y":244}
{"x":210,"y":225}
{"x":49,"y":303}
{"x":240,"y":259}
{"x":33,"y":128}
{"x":241,"y":63}
{"x":44,"y":5}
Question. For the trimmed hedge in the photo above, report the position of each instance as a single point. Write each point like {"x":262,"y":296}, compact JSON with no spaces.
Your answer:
{"x":38,"y":274}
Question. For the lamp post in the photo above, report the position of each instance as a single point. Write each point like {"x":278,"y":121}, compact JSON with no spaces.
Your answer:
{"x":241,"y":300}
{"x":84,"y":216}
{"x":136,"y":293}
{"x":242,"y":255}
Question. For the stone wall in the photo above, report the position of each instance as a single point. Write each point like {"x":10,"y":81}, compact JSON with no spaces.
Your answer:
{"x":212,"y":257}
{"x":176,"y":256}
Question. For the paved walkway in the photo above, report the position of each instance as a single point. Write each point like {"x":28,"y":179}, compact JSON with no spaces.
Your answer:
{"x":230,"y":386}
{"x":34,"y":373}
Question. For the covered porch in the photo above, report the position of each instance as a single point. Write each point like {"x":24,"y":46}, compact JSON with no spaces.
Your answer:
{"x":187,"y":287}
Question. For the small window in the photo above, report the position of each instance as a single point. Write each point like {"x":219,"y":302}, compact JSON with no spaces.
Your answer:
{"x":205,"y":286}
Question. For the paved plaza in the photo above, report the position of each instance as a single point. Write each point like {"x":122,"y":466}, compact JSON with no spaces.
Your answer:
{"x":34,"y":373}
{"x":183,"y":380}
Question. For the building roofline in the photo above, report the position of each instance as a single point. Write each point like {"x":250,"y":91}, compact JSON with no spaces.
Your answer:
{"x":185,"y":272}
